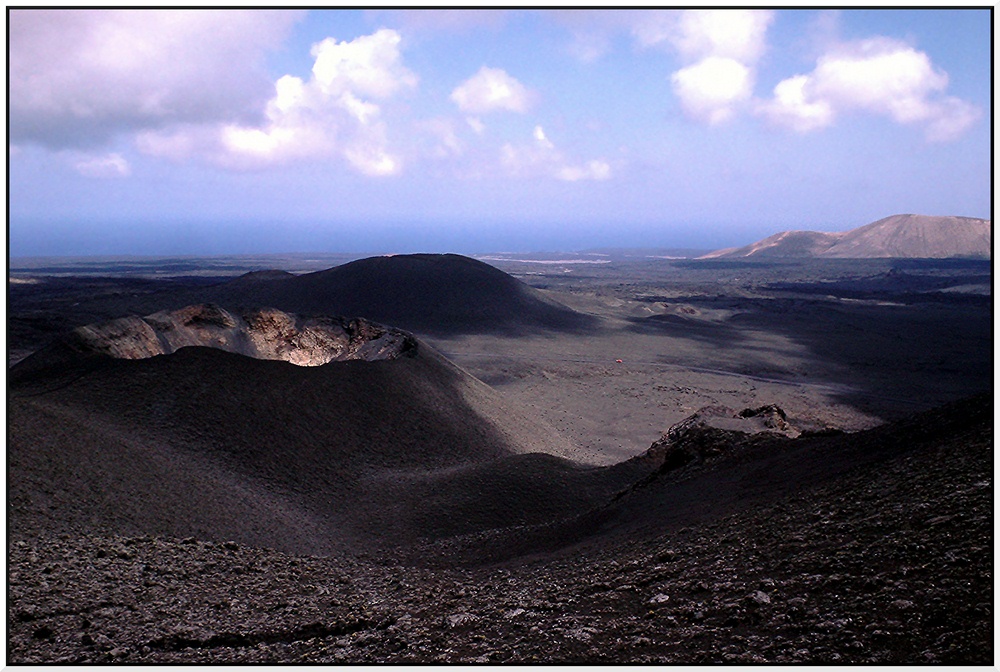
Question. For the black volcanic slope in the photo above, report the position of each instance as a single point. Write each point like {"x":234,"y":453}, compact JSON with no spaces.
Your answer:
{"x":218,"y":445}
{"x":428,"y":293}
{"x":865,"y":548}
{"x":162,"y":502}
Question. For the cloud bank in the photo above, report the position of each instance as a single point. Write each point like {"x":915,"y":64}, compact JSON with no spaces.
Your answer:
{"x":190,"y":85}
{"x":336,"y":113}
{"x":79,"y":78}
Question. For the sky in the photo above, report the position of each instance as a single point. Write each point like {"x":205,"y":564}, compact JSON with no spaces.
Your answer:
{"x":252,"y":131}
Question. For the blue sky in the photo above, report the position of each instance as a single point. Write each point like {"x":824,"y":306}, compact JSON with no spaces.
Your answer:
{"x":197,"y":132}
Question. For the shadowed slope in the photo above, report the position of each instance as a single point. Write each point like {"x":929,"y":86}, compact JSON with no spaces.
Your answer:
{"x":218,"y":445}
{"x":725,"y":472}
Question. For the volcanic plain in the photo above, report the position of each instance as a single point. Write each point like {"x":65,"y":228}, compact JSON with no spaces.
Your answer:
{"x":602,"y":457}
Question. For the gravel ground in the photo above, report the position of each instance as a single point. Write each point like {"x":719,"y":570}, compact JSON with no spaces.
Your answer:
{"x":888,"y":564}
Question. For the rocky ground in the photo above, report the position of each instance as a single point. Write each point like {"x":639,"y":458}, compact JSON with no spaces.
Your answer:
{"x":891,"y":564}
{"x":881,"y":552}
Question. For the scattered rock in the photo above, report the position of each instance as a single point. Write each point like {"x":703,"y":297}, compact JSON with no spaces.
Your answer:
{"x":457,"y":620}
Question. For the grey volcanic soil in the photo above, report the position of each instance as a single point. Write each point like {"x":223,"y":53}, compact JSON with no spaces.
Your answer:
{"x":439,"y":535}
{"x":888,"y":564}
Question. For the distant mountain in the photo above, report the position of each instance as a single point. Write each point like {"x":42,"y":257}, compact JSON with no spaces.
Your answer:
{"x":898,"y":236}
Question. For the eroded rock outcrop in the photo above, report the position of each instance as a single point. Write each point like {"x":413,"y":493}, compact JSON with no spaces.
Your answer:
{"x":713,"y":430}
{"x":265,"y":333}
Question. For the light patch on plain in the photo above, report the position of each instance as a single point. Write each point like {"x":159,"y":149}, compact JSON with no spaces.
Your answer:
{"x":546,"y":261}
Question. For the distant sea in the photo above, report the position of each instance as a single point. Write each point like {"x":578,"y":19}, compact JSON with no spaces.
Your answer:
{"x":200,"y":238}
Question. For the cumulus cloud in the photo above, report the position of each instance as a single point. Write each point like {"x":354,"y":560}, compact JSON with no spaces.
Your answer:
{"x":106,"y":166}
{"x":793,"y":109}
{"x":541,"y":157}
{"x":337,"y":112}
{"x":880,"y":76}
{"x":489,"y":90}
{"x":368,"y":66}
{"x":711,"y":89}
{"x":719,"y":47}
{"x":78,"y":78}
{"x":739,"y":34}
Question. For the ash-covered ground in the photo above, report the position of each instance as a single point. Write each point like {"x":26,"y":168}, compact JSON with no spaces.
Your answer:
{"x":858,"y":532}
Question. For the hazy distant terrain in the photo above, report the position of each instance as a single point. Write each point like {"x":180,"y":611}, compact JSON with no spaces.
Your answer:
{"x":607,"y":456}
{"x":898,"y":237}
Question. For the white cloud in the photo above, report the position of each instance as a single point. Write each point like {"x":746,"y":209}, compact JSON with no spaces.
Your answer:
{"x":372,"y":158}
{"x":542,"y":157}
{"x":879,"y":76}
{"x":331,"y":115}
{"x":592,"y":170}
{"x":711,"y":89}
{"x":719,"y":49}
{"x":476,"y":124}
{"x":539,"y":134}
{"x":368,"y":66}
{"x":739,"y":34}
{"x":950,"y":119}
{"x":80,"y":77}
{"x":106,"y":166}
{"x":791,"y":108}
{"x":489,"y":90}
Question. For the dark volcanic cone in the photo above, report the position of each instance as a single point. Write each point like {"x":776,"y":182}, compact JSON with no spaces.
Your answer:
{"x":437,"y":294}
